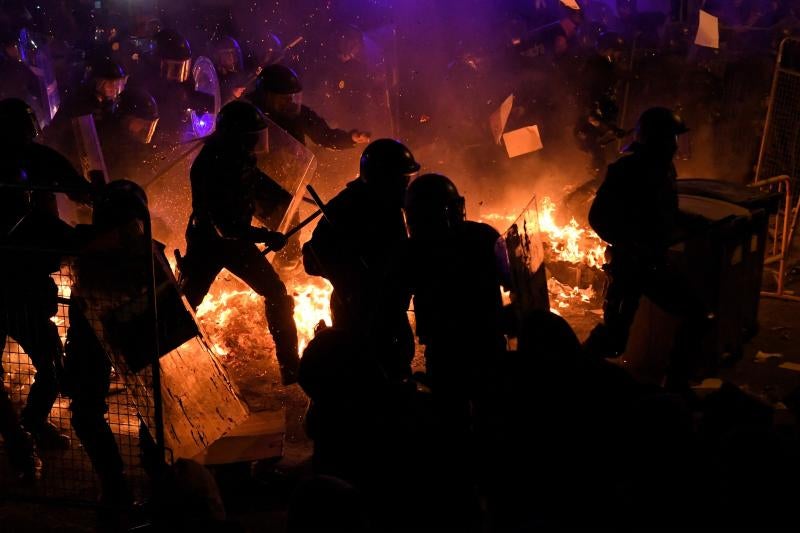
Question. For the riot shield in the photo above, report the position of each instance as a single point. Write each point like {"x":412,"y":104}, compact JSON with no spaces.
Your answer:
{"x":291,"y":166}
{"x":206,"y":81}
{"x":523,"y":246}
{"x":90,"y":152}
{"x":36,"y":56}
{"x":380,"y":54}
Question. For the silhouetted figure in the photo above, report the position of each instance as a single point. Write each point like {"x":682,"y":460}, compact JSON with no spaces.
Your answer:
{"x":353,"y":246}
{"x":598,"y":125}
{"x":227,"y":57}
{"x":225,"y":182}
{"x":551,"y":40}
{"x":132,"y":155}
{"x":114,"y":242}
{"x":278,"y":94}
{"x":29,"y":220}
{"x":451,"y":267}
{"x":636,"y":212}
{"x":373,"y":445}
{"x":174,"y":90}
{"x":16,"y":78}
{"x":97,"y":96}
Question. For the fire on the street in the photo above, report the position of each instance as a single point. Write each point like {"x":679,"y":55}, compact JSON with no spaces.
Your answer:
{"x":567,"y":243}
{"x":234,"y":317}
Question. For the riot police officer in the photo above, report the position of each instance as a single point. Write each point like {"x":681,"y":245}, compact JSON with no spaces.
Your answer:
{"x":97,"y":96}
{"x":278,"y":94}
{"x":227,"y":57}
{"x":353,"y":247}
{"x":636,"y":212}
{"x":225,"y":183}
{"x":132,"y":154}
{"x":453,"y":271}
{"x":174,"y":89}
{"x":16,"y":79}
{"x":598,"y":125}
{"x":29,"y":220}
{"x":117,"y":217}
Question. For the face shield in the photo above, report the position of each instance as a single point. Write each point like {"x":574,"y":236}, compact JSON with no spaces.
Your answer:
{"x":142,"y":129}
{"x":174,"y":70}
{"x":228,"y":60}
{"x":285,"y":104}
{"x":109,"y":90}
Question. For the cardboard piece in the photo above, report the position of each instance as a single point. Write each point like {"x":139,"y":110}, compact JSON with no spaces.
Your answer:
{"x":707,"y":31}
{"x":499,"y":119}
{"x":523,"y":141}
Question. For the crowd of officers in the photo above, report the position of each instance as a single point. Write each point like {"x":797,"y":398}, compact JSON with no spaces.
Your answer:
{"x":389,"y":236}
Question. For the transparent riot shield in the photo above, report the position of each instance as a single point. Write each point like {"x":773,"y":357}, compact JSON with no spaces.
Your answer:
{"x":206,"y":81}
{"x":36,"y":56}
{"x":528,"y":278}
{"x":90,"y":152}
{"x":380,"y":57}
{"x":291,"y":166}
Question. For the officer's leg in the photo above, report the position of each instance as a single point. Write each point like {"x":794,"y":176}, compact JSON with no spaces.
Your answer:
{"x":247,"y":263}
{"x":38,"y":337}
{"x":610,"y":338}
{"x":88,"y":370}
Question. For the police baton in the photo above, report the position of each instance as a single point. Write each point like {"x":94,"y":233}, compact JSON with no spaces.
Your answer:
{"x":305,"y":222}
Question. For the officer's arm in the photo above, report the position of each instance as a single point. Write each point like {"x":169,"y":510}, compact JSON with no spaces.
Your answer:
{"x":64,"y":175}
{"x":322,"y":134}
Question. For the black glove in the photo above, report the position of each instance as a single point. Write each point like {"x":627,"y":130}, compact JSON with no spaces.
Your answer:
{"x":274,"y":240}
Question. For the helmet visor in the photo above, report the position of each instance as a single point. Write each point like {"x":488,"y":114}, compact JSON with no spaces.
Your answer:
{"x":142,"y":129}
{"x":110,"y":89}
{"x":174,"y":70}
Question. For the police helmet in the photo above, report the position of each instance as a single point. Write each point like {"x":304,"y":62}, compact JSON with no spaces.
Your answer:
{"x":386,"y":157}
{"x":241,"y":121}
{"x":278,"y":79}
{"x":226,"y":53}
{"x":18,"y":121}
{"x":119,"y":202}
{"x":136,"y":103}
{"x":433,"y":204}
{"x":175,"y":55}
{"x":659,"y":124}
{"x":172,"y":45}
{"x":106,"y":68}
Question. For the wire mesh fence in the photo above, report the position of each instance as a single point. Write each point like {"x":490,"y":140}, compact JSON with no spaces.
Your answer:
{"x":78,"y":328}
{"x":780,"y":148}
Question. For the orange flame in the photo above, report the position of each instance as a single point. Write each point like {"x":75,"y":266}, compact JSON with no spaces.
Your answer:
{"x":229,"y":315}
